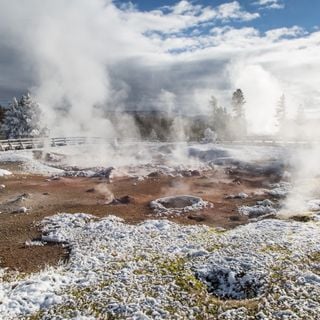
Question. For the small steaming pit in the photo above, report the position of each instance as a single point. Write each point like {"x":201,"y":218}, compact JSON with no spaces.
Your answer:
{"x":177,"y":205}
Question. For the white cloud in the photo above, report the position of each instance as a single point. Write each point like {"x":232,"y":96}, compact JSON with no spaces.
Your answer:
{"x":293,"y":32}
{"x":90,"y":52}
{"x":270,"y":4}
{"x":232,"y":10}
{"x":183,"y":15}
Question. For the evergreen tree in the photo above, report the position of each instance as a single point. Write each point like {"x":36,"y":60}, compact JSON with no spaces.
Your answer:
{"x":2,"y":112}
{"x":153,"y":135}
{"x":214,"y":104}
{"x":281,"y":112}
{"x":238,"y":102}
{"x":22,"y":119}
{"x":239,"y":124}
{"x":220,"y":119}
{"x":217,"y":117}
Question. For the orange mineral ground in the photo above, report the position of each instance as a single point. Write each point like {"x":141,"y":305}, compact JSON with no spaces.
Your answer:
{"x":46,"y":197}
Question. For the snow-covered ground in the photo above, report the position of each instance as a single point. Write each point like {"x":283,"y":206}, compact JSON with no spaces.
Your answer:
{"x":30,"y":164}
{"x":4,"y":172}
{"x":141,"y":159}
{"x":161,"y":270}
{"x":268,"y":269}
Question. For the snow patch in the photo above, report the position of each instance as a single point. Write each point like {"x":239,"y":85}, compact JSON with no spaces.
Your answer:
{"x":4,"y":172}
{"x":313,"y":205}
{"x":260,"y":209}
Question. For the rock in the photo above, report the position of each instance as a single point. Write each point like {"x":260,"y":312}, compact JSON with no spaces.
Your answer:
{"x":186,"y":173}
{"x":240,"y":195}
{"x":54,"y":157}
{"x":256,"y":211}
{"x":190,"y":173}
{"x":154,"y":174}
{"x":104,"y":173}
{"x":53,"y":178}
{"x":196,"y":217}
{"x":122,"y":200}
{"x":20,"y":210}
{"x":195,"y":173}
{"x":265,"y":203}
{"x":37,"y":154}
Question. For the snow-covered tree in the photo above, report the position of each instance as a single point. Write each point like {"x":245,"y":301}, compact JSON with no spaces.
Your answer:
{"x":220,"y":118}
{"x":239,"y":124}
{"x":238,"y":102}
{"x":153,"y":135}
{"x":214,"y":104}
{"x":281,"y":112}
{"x":22,"y":119}
{"x":209,"y":136}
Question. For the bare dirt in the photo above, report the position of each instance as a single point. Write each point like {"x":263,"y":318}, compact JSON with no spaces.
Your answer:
{"x":44,"y":197}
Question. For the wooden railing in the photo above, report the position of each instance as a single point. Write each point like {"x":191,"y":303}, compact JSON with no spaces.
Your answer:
{"x":33,"y":143}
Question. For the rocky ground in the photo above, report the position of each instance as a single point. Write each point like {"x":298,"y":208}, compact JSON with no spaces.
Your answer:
{"x":117,"y":254}
{"x":42,"y":196}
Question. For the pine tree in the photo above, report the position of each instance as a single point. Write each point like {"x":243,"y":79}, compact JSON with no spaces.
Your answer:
{"x":2,"y":112}
{"x":22,"y":119}
{"x":238,"y":102}
{"x":238,"y":123}
{"x":220,"y":119}
{"x":214,"y":104}
{"x":281,"y":112}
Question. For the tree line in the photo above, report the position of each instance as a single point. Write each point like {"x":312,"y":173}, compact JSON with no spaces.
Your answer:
{"x":22,"y":118}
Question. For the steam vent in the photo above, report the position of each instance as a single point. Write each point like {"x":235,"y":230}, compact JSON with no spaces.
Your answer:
{"x":178,"y":205}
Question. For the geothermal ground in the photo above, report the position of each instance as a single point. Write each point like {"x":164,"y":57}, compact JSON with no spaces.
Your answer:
{"x":157,"y":231}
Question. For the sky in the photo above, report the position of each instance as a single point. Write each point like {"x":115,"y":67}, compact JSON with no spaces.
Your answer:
{"x":166,"y":55}
{"x":273,"y":14}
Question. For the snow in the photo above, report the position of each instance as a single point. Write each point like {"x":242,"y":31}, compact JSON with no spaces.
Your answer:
{"x":279,"y":190}
{"x":256,"y":210}
{"x":21,"y":210}
{"x":240,"y":195}
{"x":313,"y":205}
{"x":209,"y":136}
{"x":234,"y":277}
{"x":4,"y":173}
{"x":22,"y":119}
{"x":139,"y":159}
{"x":30,"y":164}
{"x":260,"y":209}
{"x":128,"y":271}
{"x":34,"y":243}
{"x":152,"y":270}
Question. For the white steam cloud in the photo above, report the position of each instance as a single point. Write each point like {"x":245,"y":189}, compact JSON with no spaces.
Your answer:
{"x":69,"y":46}
{"x":91,"y":56}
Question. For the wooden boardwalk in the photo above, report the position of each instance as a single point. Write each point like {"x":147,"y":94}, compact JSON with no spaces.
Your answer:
{"x":36,"y":143}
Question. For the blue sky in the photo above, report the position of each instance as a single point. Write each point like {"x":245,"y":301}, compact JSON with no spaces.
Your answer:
{"x":304,"y":13}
